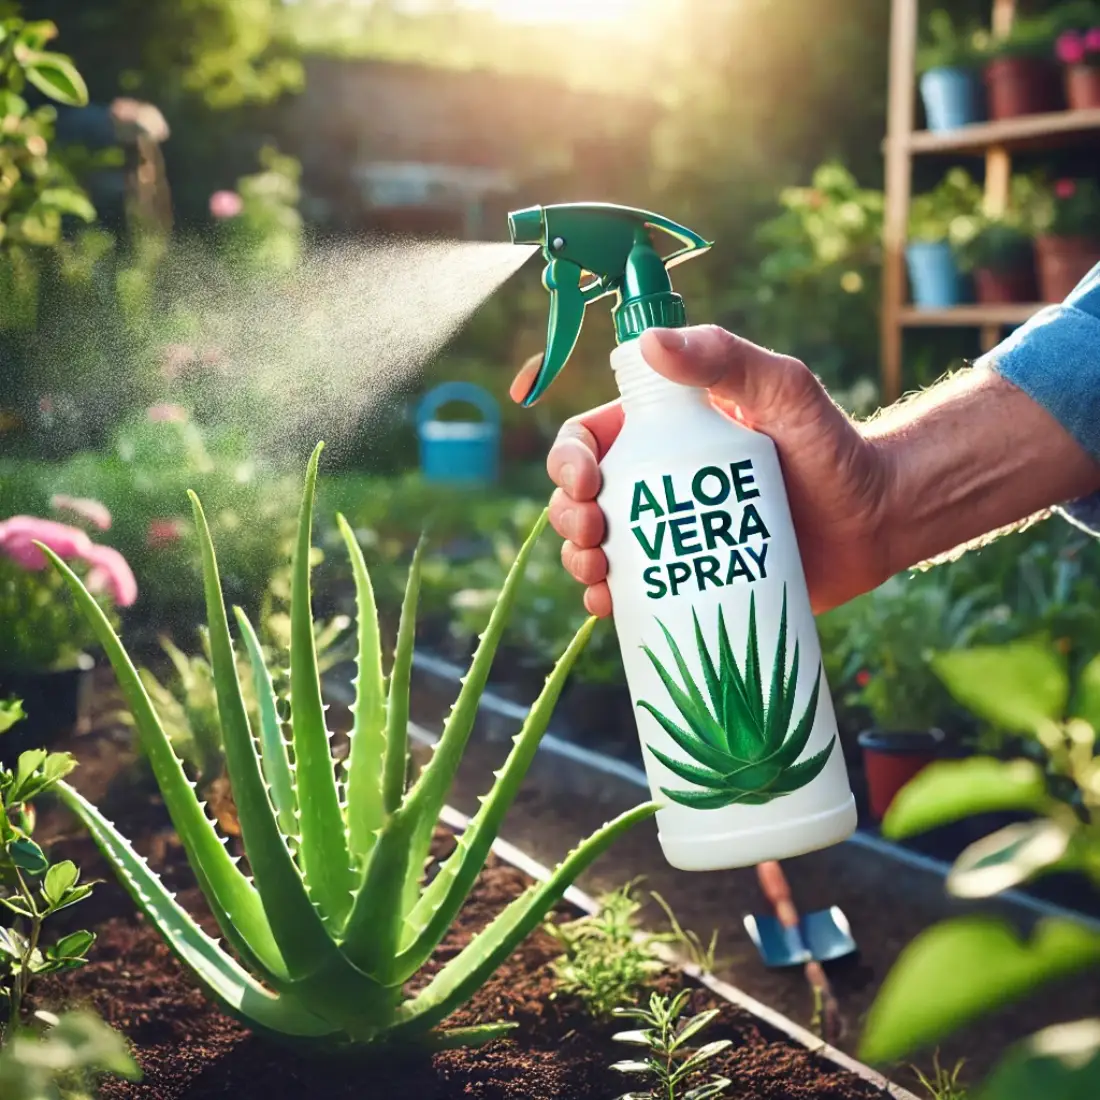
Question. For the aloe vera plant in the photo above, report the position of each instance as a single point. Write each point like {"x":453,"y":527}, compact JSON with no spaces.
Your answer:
{"x":744,"y":748}
{"x":335,"y":918}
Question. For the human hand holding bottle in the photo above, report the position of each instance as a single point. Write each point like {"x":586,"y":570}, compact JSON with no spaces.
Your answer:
{"x":968,"y":457}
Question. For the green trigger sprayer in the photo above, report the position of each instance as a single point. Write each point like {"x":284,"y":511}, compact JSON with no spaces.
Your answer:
{"x":614,"y":244}
{"x":711,"y":607}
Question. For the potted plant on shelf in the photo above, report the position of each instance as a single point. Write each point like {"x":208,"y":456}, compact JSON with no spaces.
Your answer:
{"x":1067,"y":244}
{"x":940,"y":221}
{"x":950,"y":84}
{"x":44,"y":643}
{"x":1079,"y":53}
{"x":1002,"y":259}
{"x":1020,"y":75}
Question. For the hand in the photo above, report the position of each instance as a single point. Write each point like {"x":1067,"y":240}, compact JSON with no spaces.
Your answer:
{"x":837,"y":481}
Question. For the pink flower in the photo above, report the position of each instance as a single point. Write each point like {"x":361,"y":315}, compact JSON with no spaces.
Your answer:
{"x":863,"y":678}
{"x":1092,"y":40}
{"x":18,"y":535}
{"x":163,"y":532}
{"x":225,"y":204}
{"x":110,"y":573}
{"x":91,"y":511}
{"x":165,"y":413}
{"x":1065,"y":189}
{"x":1070,"y":48}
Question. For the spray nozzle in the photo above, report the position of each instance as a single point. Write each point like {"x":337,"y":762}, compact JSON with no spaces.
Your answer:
{"x":614,"y":247}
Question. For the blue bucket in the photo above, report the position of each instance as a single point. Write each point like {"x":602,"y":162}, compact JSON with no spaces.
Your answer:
{"x":459,"y":450}
{"x":934,"y":277}
{"x":952,"y":98}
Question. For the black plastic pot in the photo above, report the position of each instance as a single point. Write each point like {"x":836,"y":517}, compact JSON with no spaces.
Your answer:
{"x":57,"y":704}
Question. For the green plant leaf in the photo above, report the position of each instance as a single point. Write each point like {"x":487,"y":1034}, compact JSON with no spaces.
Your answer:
{"x":962,"y":969}
{"x":274,"y":756}
{"x":326,"y":861}
{"x":1018,"y":686}
{"x":67,"y":200}
{"x":73,"y":946}
{"x":709,"y":1090}
{"x":27,"y":856}
{"x":54,"y":75}
{"x":776,"y":723}
{"x":742,"y":722}
{"x":949,"y":790}
{"x":10,"y":713}
{"x":1007,"y":858}
{"x":1086,"y":702}
{"x":706,"y":725}
{"x":368,"y":738}
{"x":696,"y":748}
{"x":59,"y":879}
{"x":1061,"y":1063}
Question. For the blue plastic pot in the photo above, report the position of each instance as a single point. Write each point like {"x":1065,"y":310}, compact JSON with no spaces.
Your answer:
{"x":934,"y":277}
{"x":465,"y":451}
{"x":952,"y":98}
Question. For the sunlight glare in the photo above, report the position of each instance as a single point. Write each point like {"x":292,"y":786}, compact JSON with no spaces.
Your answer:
{"x":561,"y":11}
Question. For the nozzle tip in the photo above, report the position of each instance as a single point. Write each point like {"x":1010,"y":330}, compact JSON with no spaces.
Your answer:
{"x":527,"y":226}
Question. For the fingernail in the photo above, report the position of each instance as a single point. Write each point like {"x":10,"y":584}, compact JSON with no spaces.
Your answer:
{"x":568,"y":478}
{"x":671,"y":339}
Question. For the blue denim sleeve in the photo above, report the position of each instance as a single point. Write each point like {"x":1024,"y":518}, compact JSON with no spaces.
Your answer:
{"x":1055,"y":360}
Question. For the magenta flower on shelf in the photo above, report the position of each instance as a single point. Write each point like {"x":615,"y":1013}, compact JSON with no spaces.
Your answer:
{"x":111,"y":573}
{"x":19,"y":534}
{"x":163,"y":532}
{"x":1070,"y":48}
{"x":1092,"y":41}
{"x":166,"y":413}
{"x":225,"y":204}
{"x":1065,"y":189}
{"x":83,"y":508}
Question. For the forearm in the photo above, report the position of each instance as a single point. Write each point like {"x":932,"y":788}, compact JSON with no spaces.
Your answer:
{"x":967,"y":458}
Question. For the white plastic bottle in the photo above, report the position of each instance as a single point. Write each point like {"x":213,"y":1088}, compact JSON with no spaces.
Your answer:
{"x":699,"y":537}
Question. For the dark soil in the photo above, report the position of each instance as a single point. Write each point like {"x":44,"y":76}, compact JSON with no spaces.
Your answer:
{"x":189,"y":1049}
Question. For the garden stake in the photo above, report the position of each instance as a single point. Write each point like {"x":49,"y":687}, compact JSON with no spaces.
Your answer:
{"x":718,"y":639}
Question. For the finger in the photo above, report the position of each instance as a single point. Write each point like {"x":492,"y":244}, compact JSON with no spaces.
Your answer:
{"x":735,"y":370}
{"x":597,"y":600}
{"x":587,"y":566}
{"x":573,"y":462}
{"x":582,"y":524}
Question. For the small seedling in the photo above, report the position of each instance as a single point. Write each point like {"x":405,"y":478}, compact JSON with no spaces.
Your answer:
{"x":31,"y":887}
{"x":943,"y":1084}
{"x":672,"y":1064}
{"x":689,"y":942}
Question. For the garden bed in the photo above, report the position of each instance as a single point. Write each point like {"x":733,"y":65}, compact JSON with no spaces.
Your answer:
{"x":189,"y":1049}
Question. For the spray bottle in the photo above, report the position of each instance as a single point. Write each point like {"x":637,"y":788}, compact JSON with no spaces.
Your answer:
{"x":713,"y":616}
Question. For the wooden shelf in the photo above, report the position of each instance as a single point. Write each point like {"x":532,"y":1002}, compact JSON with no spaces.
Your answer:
{"x":970,"y":316}
{"x":1027,"y":131}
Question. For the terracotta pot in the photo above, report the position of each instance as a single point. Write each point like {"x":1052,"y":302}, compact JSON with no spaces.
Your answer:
{"x":890,"y":760}
{"x":1021,"y":86}
{"x":57,"y":703}
{"x":1063,"y":263}
{"x":1004,"y":287}
{"x":1082,"y":87}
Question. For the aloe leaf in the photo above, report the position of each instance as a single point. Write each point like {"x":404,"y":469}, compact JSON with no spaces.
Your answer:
{"x":717,"y":800}
{"x":775,"y":725}
{"x":428,"y":922}
{"x":326,"y":862}
{"x":699,"y":719}
{"x":221,"y":976}
{"x":296,"y":925}
{"x":704,"y":777}
{"x":696,"y":749}
{"x":467,"y":1038}
{"x":707,"y":726}
{"x":742,"y":724}
{"x":458,"y":980}
{"x":365,"y":811}
{"x":801,"y":775}
{"x":276,"y":763}
{"x":793,"y":747}
{"x":234,"y":902}
{"x":753,"y":686}
{"x":430,"y":790}
{"x":397,"y":706}
{"x":790,"y":693}
{"x":710,"y":673}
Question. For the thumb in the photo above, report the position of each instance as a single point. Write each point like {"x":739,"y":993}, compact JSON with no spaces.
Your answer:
{"x":761,"y":384}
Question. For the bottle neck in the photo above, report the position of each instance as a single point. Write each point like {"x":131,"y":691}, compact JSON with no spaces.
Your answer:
{"x":644,"y":391}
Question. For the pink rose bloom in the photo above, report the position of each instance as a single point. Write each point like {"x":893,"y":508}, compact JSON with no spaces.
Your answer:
{"x":1070,"y":48}
{"x":163,"y":532}
{"x":110,"y":573}
{"x":91,"y":511}
{"x":1065,"y":189}
{"x":225,"y":204}
{"x":165,"y":413}
{"x":1092,"y":40}
{"x":18,"y":535}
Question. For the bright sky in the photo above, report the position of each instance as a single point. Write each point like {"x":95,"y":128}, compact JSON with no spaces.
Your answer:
{"x":561,"y":11}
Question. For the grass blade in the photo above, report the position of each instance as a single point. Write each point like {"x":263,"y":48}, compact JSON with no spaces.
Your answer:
{"x":276,"y":763}
{"x":326,"y":862}
{"x":233,"y":900}
{"x":365,"y":812}
{"x":295,"y":923}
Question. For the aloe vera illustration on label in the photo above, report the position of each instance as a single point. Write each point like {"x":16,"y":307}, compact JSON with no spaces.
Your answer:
{"x":743,"y":748}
